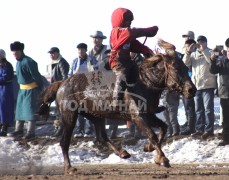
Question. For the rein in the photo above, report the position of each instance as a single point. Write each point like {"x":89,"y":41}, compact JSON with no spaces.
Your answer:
{"x":145,"y":40}
{"x":165,"y":76}
{"x":168,"y":74}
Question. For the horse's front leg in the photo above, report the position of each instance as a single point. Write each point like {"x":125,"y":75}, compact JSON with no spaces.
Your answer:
{"x":101,"y":135}
{"x":68,"y":127}
{"x":155,"y":122}
{"x":153,"y":139}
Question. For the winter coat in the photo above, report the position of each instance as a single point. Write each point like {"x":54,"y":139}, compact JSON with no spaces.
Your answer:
{"x":27,"y":99}
{"x":6,"y":93}
{"x":89,"y":65}
{"x":200,"y":63}
{"x":60,"y":70}
{"x":221,"y":67}
{"x":100,"y":56}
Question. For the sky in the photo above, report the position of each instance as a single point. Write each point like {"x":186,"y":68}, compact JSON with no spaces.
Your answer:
{"x":182,"y":151}
{"x":42,"y":24}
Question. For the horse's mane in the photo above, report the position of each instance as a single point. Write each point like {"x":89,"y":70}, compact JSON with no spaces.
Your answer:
{"x":169,"y":50}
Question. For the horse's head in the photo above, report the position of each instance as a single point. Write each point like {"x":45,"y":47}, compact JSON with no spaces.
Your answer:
{"x":167,"y":71}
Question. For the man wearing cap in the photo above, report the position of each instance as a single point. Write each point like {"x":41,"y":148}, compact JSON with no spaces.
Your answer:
{"x":30,"y":82}
{"x":98,"y":50}
{"x":221,"y":67}
{"x":188,"y":35}
{"x":205,"y":83}
{"x":189,"y":104}
{"x":83,"y":63}
{"x":59,"y":71}
{"x":60,"y":66}
{"x":6,"y":94}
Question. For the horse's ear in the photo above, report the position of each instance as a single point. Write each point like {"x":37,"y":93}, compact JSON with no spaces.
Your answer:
{"x":170,"y":52}
{"x":166,"y":45}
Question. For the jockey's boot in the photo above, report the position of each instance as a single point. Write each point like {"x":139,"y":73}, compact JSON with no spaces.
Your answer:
{"x":30,"y":130}
{"x":119,"y":91}
{"x":18,"y":129}
{"x":3,"y":132}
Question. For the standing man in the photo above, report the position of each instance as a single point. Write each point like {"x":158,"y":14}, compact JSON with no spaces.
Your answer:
{"x":83,"y":63}
{"x":59,"y":71}
{"x":189,"y":104}
{"x":221,"y":67}
{"x":30,"y":82}
{"x":59,"y":66}
{"x":188,"y":35}
{"x":98,"y":50}
{"x":205,"y":83}
{"x":6,"y":94}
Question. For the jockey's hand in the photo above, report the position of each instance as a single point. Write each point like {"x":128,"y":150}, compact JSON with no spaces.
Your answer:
{"x":151,"y":31}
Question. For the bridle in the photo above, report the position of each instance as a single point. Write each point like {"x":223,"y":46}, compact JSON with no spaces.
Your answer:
{"x":167,"y":73}
{"x":165,"y":77}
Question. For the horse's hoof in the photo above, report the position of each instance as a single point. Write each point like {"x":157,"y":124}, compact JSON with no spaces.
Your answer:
{"x":71,"y":171}
{"x":148,"y":148}
{"x":124,"y":154}
{"x":164,"y":162}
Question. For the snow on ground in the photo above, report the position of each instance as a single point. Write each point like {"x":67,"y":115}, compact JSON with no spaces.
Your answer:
{"x":182,"y":151}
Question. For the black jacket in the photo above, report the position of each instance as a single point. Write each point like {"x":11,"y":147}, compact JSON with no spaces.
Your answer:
{"x":221,"y":67}
{"x":60,"y":70}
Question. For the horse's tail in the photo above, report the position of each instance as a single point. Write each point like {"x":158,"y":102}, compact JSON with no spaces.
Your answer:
{"x":47,"y":96}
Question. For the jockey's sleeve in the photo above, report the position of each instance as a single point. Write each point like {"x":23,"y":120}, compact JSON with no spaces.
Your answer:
{"x":140,"y":32}
{"x":138,"y":47}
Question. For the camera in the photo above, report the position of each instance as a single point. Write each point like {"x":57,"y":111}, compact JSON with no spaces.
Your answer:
{"x":197,"y":45}
{"x":218,"y":50}
{"x":216,"y":53}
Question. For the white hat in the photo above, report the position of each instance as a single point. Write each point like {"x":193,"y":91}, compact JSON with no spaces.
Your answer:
{"x":98,"y":34}
{"x":2,"y":53}
{"x":189,"y":34}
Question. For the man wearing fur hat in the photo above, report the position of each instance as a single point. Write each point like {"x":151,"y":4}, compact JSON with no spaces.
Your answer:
{"x":221,"y":67}
{"x":30,"y":82}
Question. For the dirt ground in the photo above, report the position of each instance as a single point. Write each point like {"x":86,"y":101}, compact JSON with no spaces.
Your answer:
{"x":116,"y":171}
{"x":130,"y":171}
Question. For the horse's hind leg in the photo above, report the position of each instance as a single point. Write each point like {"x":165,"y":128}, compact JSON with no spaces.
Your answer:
{"x":69,"y":121}
{"x":102,"y":136}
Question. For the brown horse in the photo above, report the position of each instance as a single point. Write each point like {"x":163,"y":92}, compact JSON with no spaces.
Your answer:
{"x":90,"y":95}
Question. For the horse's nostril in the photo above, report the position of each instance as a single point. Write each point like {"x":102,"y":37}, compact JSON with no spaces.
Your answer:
{"x":190,"y":91}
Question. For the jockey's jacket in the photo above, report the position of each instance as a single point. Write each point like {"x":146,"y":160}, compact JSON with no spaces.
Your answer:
{"x":123,"y":39}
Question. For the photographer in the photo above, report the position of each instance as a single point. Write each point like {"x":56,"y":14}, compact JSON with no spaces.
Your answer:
{"x":205,"y":83}
{"x":220,"y":65}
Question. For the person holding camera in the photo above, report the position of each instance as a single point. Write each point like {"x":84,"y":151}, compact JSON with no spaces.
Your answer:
{"x":205,"y":83}
{"x":189,"y":105}
{"x":220,"y":65}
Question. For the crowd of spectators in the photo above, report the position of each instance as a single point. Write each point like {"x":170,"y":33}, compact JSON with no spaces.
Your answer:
{"x":203,"y":63}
